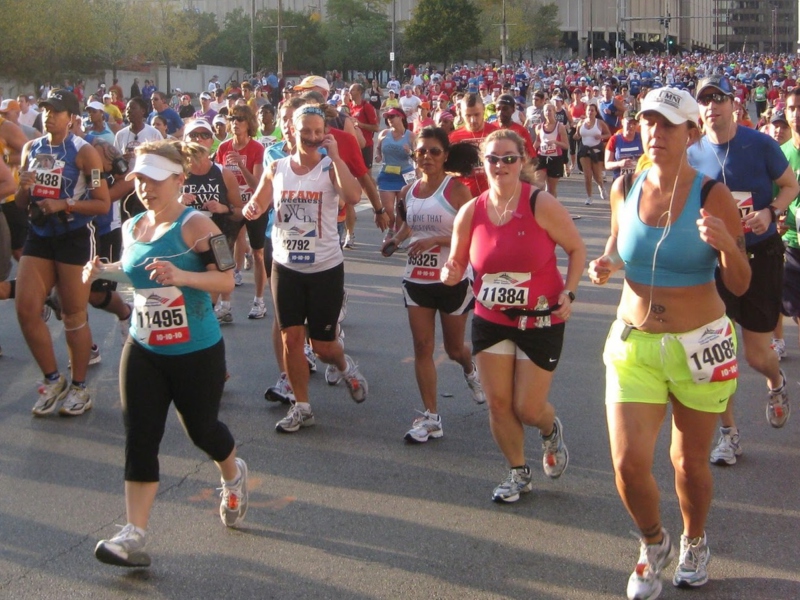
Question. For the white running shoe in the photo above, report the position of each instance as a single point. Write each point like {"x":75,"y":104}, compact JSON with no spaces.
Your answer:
{"x":126,"y":549}
{"x":779,"y":346}
{"x":425,"y":427}
{"x":474,"y":383}
{"x":727,"y":448}
{"x":299,"y":415}
{"x":259,"y":310}
{"x":692,"y":569}
{"x":645,"y":581}
{"x":350,"y":241}
{"x":76,"y":402}
{"x":223,"y":314}
{"x":50,"y":393}
{"x":343,"y":310}
{"x":311,"y":358}
{"x":356,"y":383}
{"x":517,"y":482}
{"x":237,"y":278}
{"x":332,"y":375}
{"x":588,"y":202}
{"x":280,"y":392}
{"x":778,"y":408}
{"x":555,"y":456}
{"x":233,"y":506}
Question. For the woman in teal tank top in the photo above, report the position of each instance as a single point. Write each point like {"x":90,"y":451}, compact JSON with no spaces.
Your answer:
{"x":175,"y":352}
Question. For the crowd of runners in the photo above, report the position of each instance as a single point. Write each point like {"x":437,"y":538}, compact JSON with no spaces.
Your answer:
{"x":150,"y":209}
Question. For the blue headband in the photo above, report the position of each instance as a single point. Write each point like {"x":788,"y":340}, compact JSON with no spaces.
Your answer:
{"x":307,"y":110}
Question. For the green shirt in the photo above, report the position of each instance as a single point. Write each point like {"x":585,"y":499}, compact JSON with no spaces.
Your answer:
{"x":793,"y":156}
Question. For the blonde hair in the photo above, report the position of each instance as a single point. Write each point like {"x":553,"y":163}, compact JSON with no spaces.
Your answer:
{"x":527,"y":172}
{"x":181,"y":153}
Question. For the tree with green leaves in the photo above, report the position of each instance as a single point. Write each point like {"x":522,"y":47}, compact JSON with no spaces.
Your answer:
{"x":358,"y":34}
{"x":531,"y":26}
{"x":443,"y":30}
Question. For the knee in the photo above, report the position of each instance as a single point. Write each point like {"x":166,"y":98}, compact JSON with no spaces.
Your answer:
{"x":100,"y":300}
{"x":75,"y":320}
{"x":692,"y":465}
{"x":294,"y":341}
{"x":758,"y":357}
{"x":629,"y":467}
{"x":454,"y":350}
{"x":423,"y":348}
{"x":258,"y":255}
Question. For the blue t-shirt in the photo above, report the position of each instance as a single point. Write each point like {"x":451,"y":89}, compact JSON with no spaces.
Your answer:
{"x":750,"y":162}
{"x":174,"y":121}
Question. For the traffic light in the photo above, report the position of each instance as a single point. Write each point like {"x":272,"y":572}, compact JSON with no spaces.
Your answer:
{"x":621,"y":36}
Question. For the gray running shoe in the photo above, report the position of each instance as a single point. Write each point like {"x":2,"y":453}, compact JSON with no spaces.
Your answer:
{"x":645,"y":581}
{"x":224,"y":315}
{"x":237,"y":278}
{"x":233,"y":506}
{"x":556,"y":456}
{"x":517,"y":482}
{"x":778,"y":407}
{"x":356,"y":383}
{"x":259,"y":311}
{"x":311,"y":358}
{"x":50,"y":393}
{"x":280,"y":392}
{"x":425,"y":427}
{"x":727,"y":448}
{"x":296,"y":418}
{"x":126,"y":549}
{"x":332,"y":375}
{"x":692,"y":568}
{"x":76,"y":402}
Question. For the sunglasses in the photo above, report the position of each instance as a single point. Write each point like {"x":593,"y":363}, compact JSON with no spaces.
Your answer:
{"x":421,"y":152}
{"x":508,"y":159}
{"x":238,"y":119}
{"x":709,"y":98}
{"x":203,"y":135}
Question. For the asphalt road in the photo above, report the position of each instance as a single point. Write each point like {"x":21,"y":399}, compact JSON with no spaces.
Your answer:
{"x":346,"y":509}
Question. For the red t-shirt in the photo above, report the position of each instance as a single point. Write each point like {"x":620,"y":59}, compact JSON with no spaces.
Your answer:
{"x":476,"y":181}
{"x":350,"y":152}
{"x":365,"y":113}
{"x":254,"y":155}
{"x":526,"y":136}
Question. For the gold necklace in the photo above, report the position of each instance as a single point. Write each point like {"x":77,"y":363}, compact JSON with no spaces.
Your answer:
{"x":501,"y":216}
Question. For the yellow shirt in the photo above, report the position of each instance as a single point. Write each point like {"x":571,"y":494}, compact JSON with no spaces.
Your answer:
{"x":113,"y":112}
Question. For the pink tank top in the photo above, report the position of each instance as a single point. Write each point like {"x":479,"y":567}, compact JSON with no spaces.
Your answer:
{"x":515,"y":263}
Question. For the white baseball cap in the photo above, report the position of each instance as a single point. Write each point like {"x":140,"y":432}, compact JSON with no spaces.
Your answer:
{"x":95,"y":105}
{"x":675,"y":105}
{"x":155,"y":167}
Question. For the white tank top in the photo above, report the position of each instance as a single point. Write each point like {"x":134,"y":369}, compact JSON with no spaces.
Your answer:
{"x":429,"y":217}
{"x":593,"y":136}
{"x":305,"y":237}
{"x":547,"y":142}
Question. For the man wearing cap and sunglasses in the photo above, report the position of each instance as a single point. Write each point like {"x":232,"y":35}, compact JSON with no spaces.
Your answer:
{"x":749,"y":163}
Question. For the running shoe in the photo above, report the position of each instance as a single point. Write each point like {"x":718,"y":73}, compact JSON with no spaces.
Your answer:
{"x":555,"y":456}
{"x":602,"y":192}
{"x":424,"y":427}
{"x":224,"y":315}
{"x":779,"y":347}
{"x":94,"y":356}
{"x":343,"y":310}
{"x":311,"y":358}
{"x":76,"y":402}
{"x":259,"y":310}
{"x":299,"y":415}
{"x":692,"y":569}
{"x":54,"y":302}
{"x":50,"y":393}
{"x":46,"y":313}
{"x":126,"y":549}
{"x":233,"y":506}
{"x":237,"y":278}
{"x":588,"y":202}
{"x":727,"y":448}
{"x":356,"y":383}
{"x":332,"y":375}
{"x":248,"y":262}
{"x":517,"y":482}
{"x":645,"y":581}
{"x":280,"y":392}
{"x":778,"y":407}
{"x":350,"y":240}
{"x":474,"y":384}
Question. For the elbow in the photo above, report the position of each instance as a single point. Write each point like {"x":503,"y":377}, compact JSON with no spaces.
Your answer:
{"x":738,"y":285}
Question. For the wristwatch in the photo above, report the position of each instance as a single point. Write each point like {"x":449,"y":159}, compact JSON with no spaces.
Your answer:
{"x":776,"y":212}
{"x":570,"y":294}
{"x":70,"y":204}
{"x":380,"y":211}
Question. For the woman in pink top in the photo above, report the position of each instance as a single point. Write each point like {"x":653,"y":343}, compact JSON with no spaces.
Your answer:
{"x":508,"y":235}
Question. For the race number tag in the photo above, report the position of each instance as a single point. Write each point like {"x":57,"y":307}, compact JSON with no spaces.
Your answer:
{"x":426,"y":265}
{"x":711,"y":352}
{"x":246,"y":193}
{"x":299,"y":240}
{"x":410,"y":177}
{"x":47,"y":184}
{"x":504,"y":290}
{"x":744,"y":200}
{"x":547,"y":148}
{"x":160,"y":315}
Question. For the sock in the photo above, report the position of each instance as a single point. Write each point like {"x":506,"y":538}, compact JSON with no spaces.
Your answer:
{"x":138,"y":530}
{"x":258,"y":299}
{"x":304,"y":405}
{"x":433,"y":415}
{"x":547,"y":438}
{"x":51,"y":377}
{"x":225,"y":304}
{"x":236,"y":479}
{"x":79,"y":384}
{"x":525,"y":468}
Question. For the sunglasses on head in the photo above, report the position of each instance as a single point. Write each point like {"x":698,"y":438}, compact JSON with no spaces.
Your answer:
{"x":707,"y":99}
{"x":508,"y":159}
{"x":203,"y":135}
{"x":420,"y":152}
{"x":238,"y":119}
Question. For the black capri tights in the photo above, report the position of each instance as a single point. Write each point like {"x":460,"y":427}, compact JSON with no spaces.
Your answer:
{"x":149,"y":383}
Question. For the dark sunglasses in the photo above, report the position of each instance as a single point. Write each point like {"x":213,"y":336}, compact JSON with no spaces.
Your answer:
{"x":203,"y":135}
{"x":239,"y":119}
{"x":508,"y":159}
{"x":421,"y":152}
{"x":707,"y":99}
